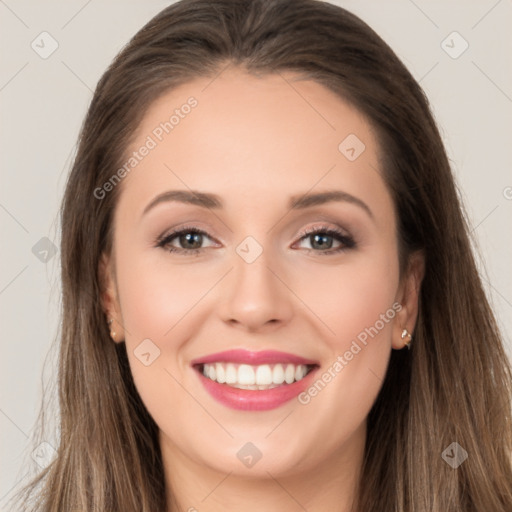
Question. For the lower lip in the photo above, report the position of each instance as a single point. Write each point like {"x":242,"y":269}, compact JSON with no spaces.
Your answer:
{"x":252,"y":399}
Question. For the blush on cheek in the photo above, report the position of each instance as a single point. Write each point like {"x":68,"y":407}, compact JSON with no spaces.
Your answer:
{"x":155,"y":301}
{"x":356,"y":310}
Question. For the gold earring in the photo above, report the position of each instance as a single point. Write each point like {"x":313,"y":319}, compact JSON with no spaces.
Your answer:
{"x":112,"y":333}
{"x":406,"y":335}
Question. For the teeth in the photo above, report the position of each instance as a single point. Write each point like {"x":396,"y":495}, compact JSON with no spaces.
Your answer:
{"x":245,"y":376}
{"x":231,"y":373}
{"x":278,"y":374}
{"x":300,"y":372}
{"x":263,"y":375}
{"x":221,"y":373}
{"x":289,"y":374}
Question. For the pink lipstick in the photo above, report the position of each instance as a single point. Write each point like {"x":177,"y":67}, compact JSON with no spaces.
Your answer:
{"x":257,"y":381}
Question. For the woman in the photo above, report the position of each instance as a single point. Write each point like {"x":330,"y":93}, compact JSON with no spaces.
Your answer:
{"x":260,"y":218}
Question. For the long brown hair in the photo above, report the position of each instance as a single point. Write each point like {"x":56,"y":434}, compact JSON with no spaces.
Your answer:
{"x":454,"y":385}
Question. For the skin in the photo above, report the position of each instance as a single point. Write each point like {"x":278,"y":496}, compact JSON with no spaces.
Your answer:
{"x":256,"y":141}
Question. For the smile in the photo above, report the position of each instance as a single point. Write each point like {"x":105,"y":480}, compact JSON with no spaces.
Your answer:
{"x":265,"y":376}
{"x":257,"y":381}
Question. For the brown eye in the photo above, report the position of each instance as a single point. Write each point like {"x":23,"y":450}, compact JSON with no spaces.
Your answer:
{"x":190,"y":240}
{"x":321,"y":241}
{"x":186,"y":241}
{"x":327,"y":240}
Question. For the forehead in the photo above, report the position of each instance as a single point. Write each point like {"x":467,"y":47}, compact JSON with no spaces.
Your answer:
{"x":253,"y":137}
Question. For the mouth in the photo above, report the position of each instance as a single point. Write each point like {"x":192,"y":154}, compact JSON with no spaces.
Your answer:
{"x":260,"y":377}
{"x":257,"y":381}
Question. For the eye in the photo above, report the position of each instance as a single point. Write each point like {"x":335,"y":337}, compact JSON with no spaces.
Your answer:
{"x":185,"y":240}
{"x":321,"y":240}
{"x":326,"y":240}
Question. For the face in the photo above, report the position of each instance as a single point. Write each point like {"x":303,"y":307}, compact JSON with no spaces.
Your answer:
{"x":279,"y":251}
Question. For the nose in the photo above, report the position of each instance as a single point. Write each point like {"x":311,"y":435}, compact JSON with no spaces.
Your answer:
{"x":256,"y":296}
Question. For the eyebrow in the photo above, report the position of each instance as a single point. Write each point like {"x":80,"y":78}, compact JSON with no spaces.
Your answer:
{"x":298,"y":202}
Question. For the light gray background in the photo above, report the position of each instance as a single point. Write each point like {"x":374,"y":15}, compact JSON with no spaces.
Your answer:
{"x":43,"y":102}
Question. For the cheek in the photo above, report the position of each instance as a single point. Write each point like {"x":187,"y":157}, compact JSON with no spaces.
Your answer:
{"x":155,"y":297}
{"x":350,"y":298}
{"x":157,"y":304}
{"x":154,"y":302}
{"x":357,"y":307}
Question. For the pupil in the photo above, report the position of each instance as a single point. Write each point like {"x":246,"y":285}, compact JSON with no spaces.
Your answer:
{"x":189,"y":239}
{"x":322,"y":241}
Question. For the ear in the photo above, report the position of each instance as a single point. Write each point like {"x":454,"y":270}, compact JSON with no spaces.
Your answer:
{"x":109,"y":297}
{"x":408,"y":296}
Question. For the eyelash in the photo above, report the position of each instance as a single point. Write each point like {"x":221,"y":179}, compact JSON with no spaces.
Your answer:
{"x":347,"y":242}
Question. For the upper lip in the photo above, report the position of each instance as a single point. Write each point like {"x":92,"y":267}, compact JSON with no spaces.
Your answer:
{"x":253,"y":358}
